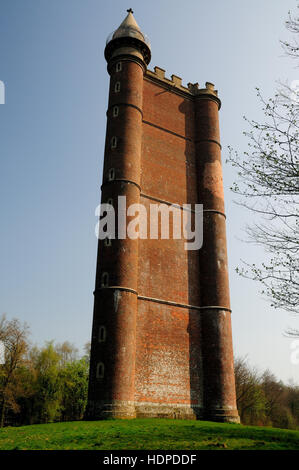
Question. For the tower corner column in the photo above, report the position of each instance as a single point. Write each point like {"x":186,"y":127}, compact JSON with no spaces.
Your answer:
{"x":112,"y":390}
{"x":217,"y":350}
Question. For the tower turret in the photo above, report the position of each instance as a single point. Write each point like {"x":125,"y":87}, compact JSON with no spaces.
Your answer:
{"x":217,"y":351}
{"x":112,"y":391}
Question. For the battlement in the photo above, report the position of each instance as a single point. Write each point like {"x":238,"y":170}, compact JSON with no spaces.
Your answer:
{"x":176,"y":82}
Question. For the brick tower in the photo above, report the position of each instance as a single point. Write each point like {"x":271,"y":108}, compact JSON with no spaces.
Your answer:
{"x":161,"y":335}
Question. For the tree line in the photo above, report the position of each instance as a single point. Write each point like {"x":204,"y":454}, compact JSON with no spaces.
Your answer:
{"x":49,"y":383}
{"x":264,"y":400}
{"x":40,"y":384}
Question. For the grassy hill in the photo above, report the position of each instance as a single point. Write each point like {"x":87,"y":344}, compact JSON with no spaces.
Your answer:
{"x":148,"y":434}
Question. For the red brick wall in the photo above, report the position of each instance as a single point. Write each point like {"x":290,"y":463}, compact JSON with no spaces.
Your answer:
{"x":167,"y":337}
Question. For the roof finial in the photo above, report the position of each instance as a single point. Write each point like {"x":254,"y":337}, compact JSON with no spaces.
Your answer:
{"x":130,"y":10}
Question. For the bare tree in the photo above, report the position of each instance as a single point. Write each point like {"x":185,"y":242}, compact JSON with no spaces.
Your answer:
{"x":292,"y":25}
{"x":268,"y":185}
{"x":67,"y":352}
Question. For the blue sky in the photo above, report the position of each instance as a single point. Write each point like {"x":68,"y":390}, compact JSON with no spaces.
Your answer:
{"x":52,"y":131}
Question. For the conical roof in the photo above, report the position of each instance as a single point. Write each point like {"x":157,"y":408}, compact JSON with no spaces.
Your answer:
{"x":130,"y":32}
{"x":128,"y":27}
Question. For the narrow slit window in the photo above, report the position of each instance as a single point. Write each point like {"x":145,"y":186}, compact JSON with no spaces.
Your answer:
{"x":102,"y":334}
{"x":118,"y":67}
{"x":105,"y":280}
{"x":114,"y":142}
{"x":117,"y":87}
{"x":100,"y":370}
{"x":111,"y":174}
{"x":115,"y":111}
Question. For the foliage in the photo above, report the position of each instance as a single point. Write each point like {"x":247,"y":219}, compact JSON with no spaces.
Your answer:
{"x":47,"y":384}
{"x":251,"y":401}
{"x":40,"y":385}
{"x":15,"y":339}
{"x":264,"y":400}
{"x":74,"y":378}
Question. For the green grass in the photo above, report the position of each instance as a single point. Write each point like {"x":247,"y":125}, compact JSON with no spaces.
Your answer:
{"x":148,"y":434}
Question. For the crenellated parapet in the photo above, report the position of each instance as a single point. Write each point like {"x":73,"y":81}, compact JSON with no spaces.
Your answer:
{"x":175,"y":82}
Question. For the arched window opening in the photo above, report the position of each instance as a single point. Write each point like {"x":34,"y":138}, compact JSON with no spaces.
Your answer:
{"x":102,"y":334}
{"x":100,"y":370}
{"x":114,"y":142}
{"x":105,"y":280}
{"x":111,"y":174}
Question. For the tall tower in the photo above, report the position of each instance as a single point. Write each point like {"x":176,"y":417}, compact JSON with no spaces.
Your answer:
{"x":161,"y":335}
